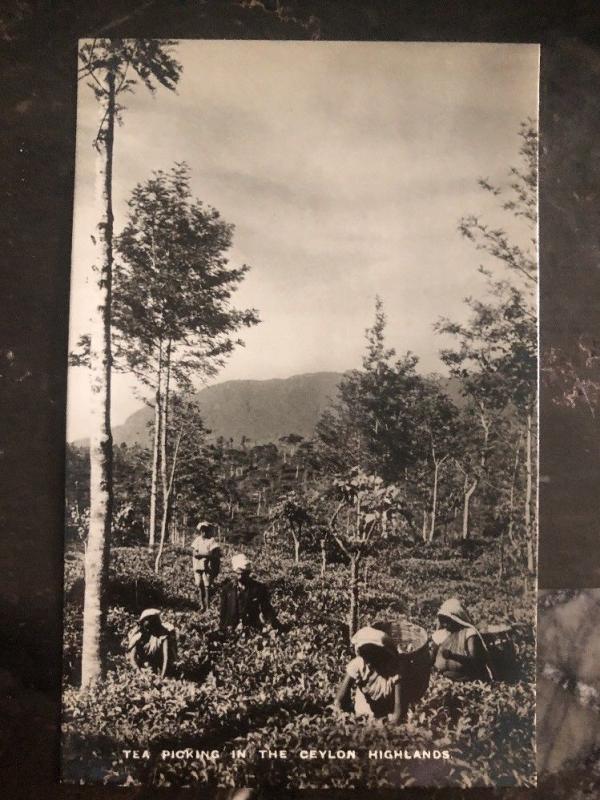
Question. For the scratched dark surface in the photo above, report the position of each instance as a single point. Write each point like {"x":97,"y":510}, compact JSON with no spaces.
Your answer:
{"x":568,"y":693}
{"x":37,"y":96}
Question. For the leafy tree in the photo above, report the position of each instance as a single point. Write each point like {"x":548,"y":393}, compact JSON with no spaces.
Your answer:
{"x":496,"y":353}
{"x":369,"y":504}
{"x":371,"y":423}
{"x":173,"y":291}
{"x":292,"y":510}
{"x":131,"y":490}
{"x":111,"y":68}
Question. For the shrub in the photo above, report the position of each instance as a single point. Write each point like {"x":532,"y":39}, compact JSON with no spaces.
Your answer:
{"x":276,"y":690}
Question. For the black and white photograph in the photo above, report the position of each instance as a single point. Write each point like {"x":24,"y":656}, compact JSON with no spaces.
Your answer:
{"x":301,"y":500}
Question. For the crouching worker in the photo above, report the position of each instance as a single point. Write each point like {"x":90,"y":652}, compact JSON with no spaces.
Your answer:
{"x":458,"y":651}
{"x":245,"y":602}
{"x":375,"y":676}
{"x":152,"y":644}
{"x":206,"y":562}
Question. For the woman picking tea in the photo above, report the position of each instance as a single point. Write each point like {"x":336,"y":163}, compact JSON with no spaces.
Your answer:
{"x":374,"y":674}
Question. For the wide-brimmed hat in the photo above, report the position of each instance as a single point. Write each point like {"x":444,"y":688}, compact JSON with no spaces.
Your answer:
{"x":204,"y":524}
{"x":149,"y":612}
{"x":454,"y":610}
{"x":368,"y":635}
{"x":240,"y":561}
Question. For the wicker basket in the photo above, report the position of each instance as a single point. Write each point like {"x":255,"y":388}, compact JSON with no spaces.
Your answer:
{"x":415,"y":660}
{"x":498,"y":638}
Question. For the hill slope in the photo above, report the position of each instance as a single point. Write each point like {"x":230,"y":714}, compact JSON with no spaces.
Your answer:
{"x":262,"y":411}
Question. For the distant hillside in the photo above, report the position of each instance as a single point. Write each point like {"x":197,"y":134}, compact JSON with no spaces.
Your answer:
{"x":262,"y":411}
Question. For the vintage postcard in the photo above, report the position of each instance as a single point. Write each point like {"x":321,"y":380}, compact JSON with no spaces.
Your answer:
{"x":301,"y":489}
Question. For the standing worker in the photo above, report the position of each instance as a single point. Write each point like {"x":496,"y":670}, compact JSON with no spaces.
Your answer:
{"x":245,"y":602}
{"x":206,"y":561}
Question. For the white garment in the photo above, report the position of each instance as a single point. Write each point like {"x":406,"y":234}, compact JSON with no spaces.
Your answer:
{"x":201,"y":547}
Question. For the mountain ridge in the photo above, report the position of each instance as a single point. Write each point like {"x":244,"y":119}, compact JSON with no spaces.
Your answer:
{"x":260,"y":410}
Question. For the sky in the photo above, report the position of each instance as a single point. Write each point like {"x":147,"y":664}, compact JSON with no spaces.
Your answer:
{"x":344,"y":167}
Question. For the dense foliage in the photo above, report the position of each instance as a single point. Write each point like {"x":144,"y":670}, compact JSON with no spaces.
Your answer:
{"x":275,"y":690}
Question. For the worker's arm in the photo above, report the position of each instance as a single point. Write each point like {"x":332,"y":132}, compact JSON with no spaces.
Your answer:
{"x":266,"y":609}
{"x":342,"y":697}
{"x":132,"y":650}
{"x":433,"y":651}
{"x":165,"y":657}
{"x":398,"y":712}
{"x":133,"y":658}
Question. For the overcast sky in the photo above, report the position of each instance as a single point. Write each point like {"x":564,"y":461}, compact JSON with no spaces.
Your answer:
{"x":344,"y":168}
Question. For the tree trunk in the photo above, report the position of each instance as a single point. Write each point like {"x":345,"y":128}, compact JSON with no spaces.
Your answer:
{"x":486,"y":425}
{"x":296,"y":547}
{"x":353,"y":589}
{"x":166,"y":494}
{"x":166,"y":505}
{"x":513,"y":483}
{"x":467,"y":501}
{"x":425,"y":521}
{"x":155,"y":452}
{"x":529,"y":533}
{"x":101,"y":494}
{"x":323,"y":558}
{"x":436,"y":471}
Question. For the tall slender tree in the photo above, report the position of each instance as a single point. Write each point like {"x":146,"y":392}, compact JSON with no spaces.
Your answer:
{"x":371,"y":424}
{"x":173,"y":288}
{"x":110,"y":67}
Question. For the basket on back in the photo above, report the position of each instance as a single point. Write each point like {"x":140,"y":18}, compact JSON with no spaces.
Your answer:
{"x":415,"y":662}
{"x":498,"y":639}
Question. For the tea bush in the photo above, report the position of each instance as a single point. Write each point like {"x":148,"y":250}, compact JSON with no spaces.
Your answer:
{"x":274,"y":691}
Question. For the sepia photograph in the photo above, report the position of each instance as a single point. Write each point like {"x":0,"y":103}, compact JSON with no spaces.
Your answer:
{"x":301,"y":503}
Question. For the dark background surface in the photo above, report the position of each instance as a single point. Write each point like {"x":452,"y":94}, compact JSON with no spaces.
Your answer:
{"x":37,"y":98}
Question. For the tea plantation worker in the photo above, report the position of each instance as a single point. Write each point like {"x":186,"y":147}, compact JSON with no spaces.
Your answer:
{"x":459,"y":652}
{"x":152,"y":643}
{"x":245,"y":602}
{"x":206,"y":561}
{"x":375,"y":676}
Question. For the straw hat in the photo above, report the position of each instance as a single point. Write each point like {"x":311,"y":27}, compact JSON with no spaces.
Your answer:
{"x":240,"y":561}
{"x":454,"y":610}
{"x":204,"y":524}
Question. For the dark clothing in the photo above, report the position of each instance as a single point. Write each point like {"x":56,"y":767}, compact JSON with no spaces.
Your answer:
{"x":249,"y":605}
